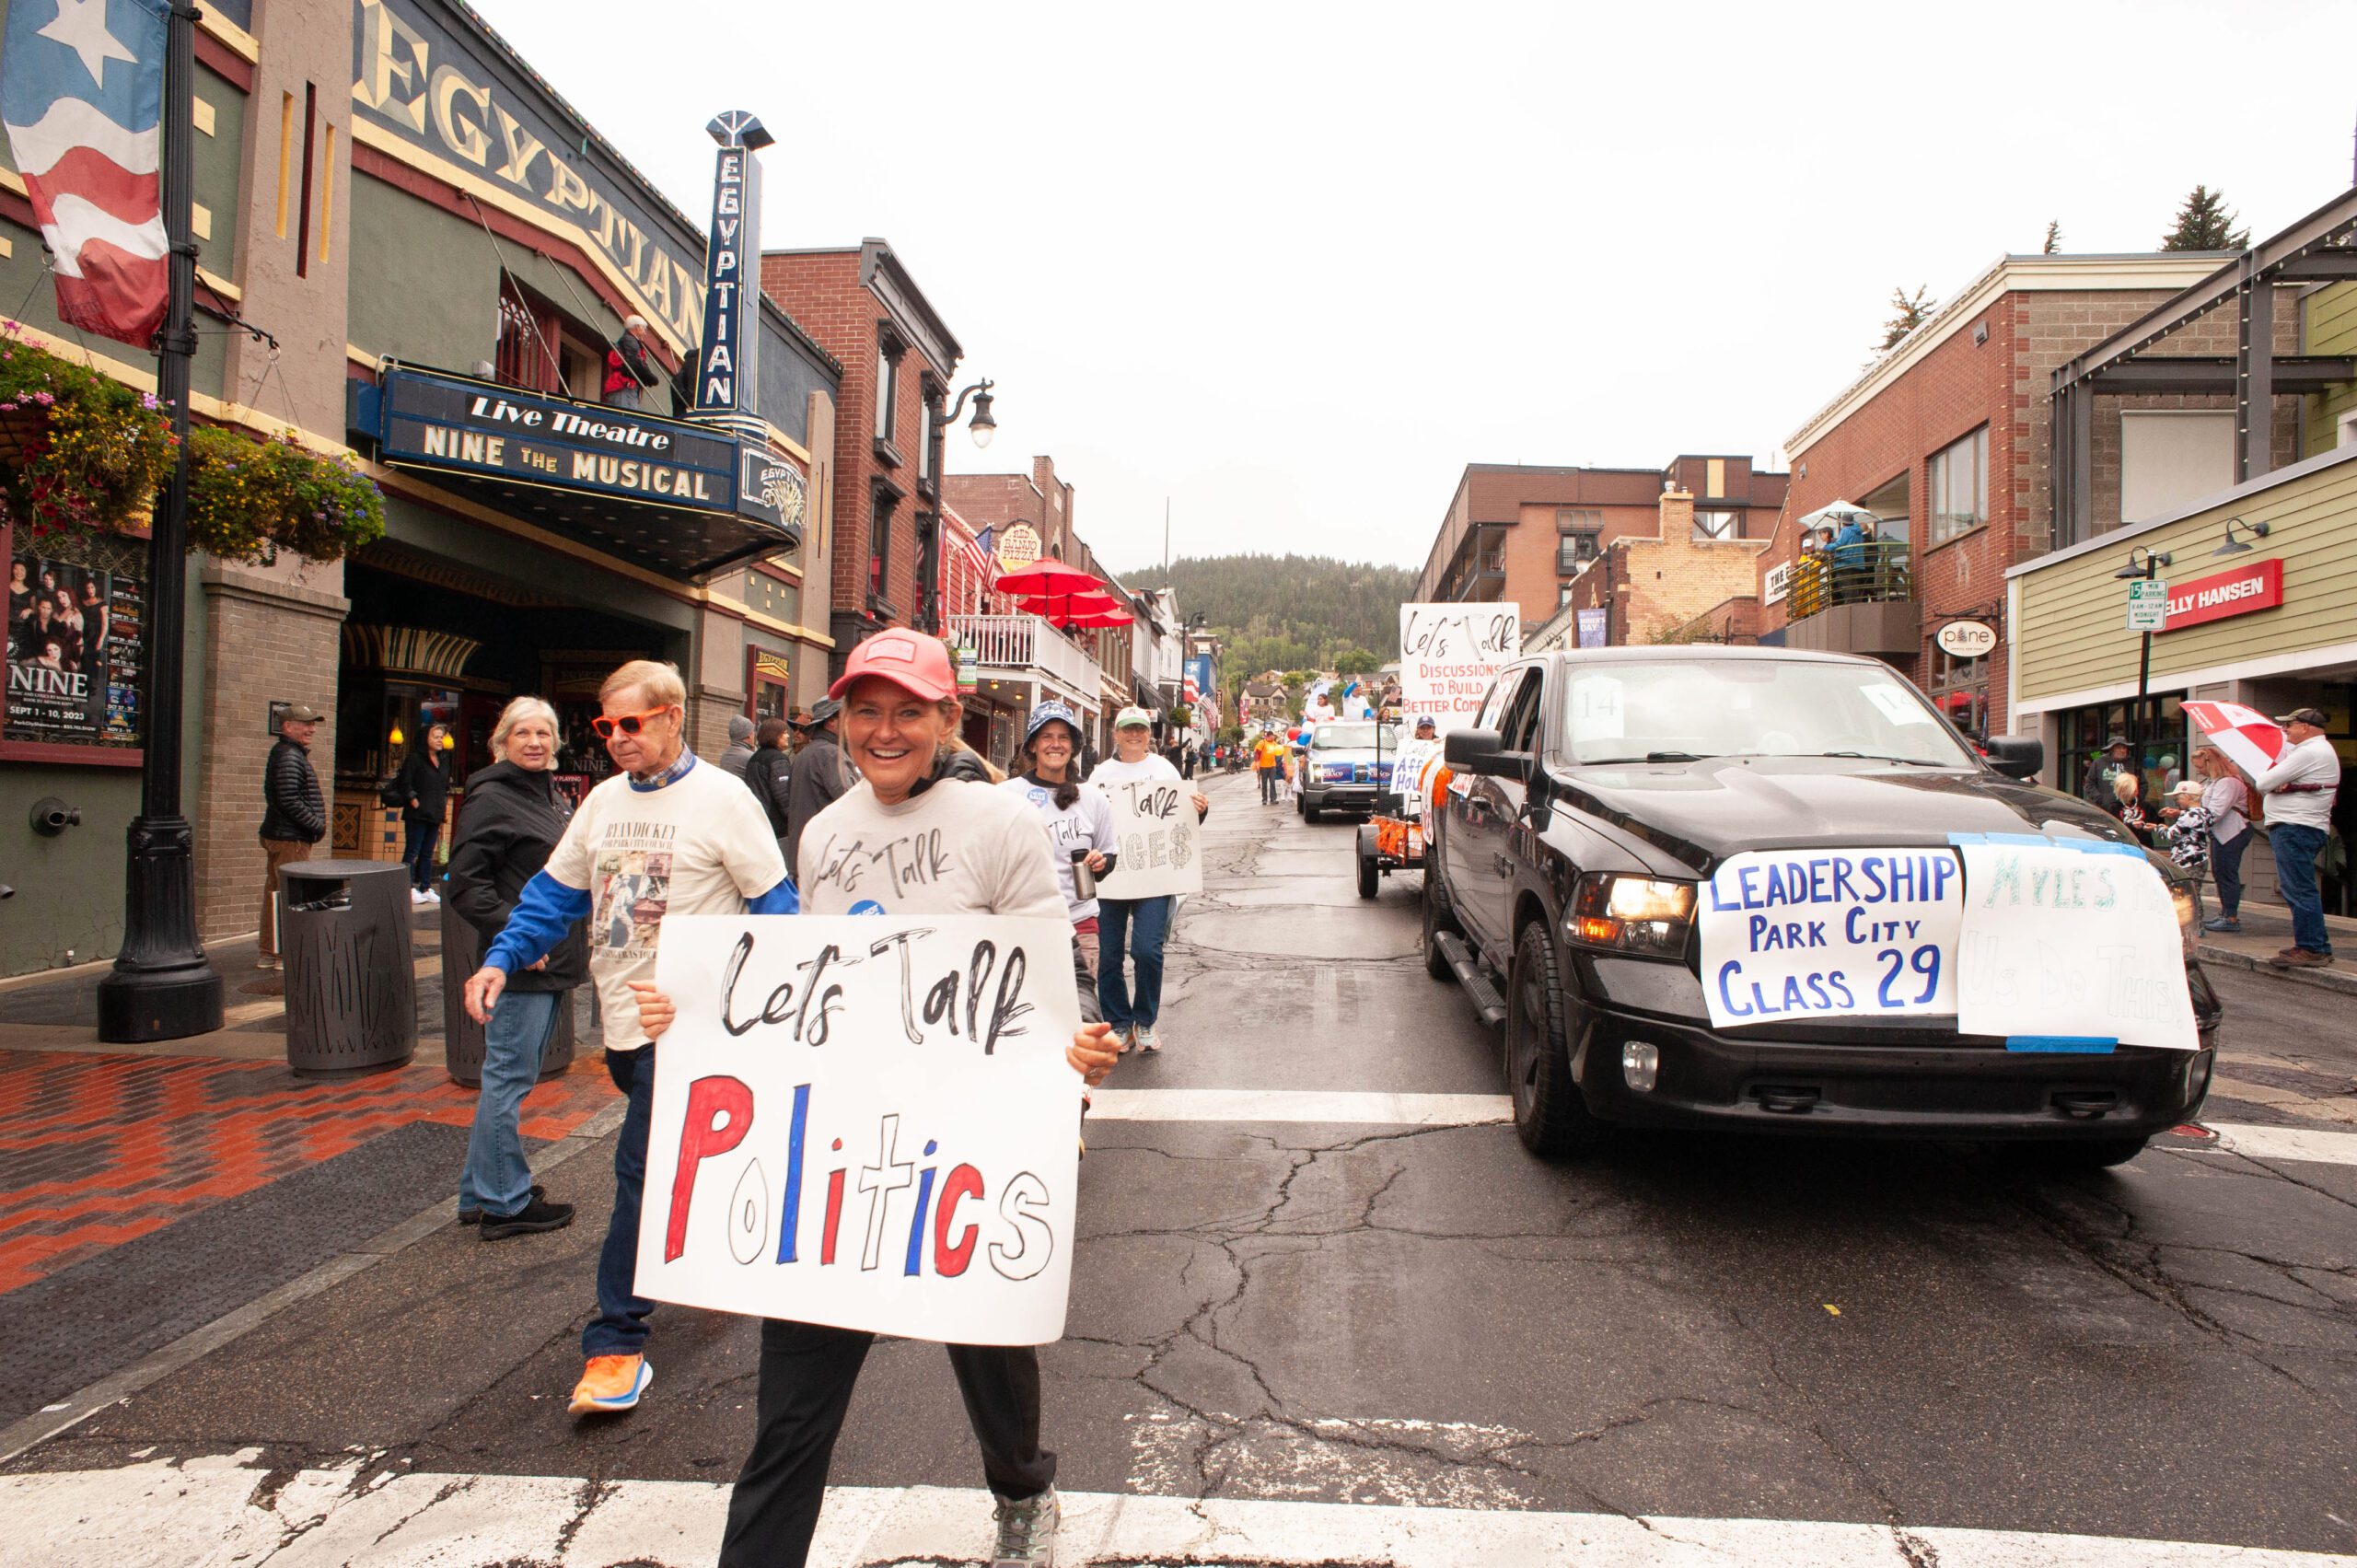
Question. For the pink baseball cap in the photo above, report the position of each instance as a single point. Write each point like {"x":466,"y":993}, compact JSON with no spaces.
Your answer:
{"x":909,"y":660}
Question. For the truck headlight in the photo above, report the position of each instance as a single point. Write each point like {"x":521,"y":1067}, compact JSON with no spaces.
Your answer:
{"x":1632,"y":914}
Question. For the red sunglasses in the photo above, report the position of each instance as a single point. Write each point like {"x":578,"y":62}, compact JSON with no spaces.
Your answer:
{"x":629,"y":723}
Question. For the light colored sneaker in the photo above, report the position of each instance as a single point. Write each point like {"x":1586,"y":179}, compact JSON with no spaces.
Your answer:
{"x":1027,"y":1532}
{"x":1148,"y":1041}
{"x":611,"y":1383}
{"x":416,"y":897}
{"x":432,"y":895}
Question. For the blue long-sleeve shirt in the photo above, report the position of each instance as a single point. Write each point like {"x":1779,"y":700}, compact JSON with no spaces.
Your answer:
{"x":548,"y":908}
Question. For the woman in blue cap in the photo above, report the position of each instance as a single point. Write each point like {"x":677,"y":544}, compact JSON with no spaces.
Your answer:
{"x":1080,"y":822}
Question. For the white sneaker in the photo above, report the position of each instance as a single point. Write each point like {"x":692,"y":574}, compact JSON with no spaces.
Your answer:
{"x":416,"y":897}
{"x":1148,"y":1041}
{"x":433,"y":897}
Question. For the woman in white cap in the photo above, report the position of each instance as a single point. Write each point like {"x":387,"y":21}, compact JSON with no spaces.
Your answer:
{"x":1136,"y":927}
{"x":1080,"y":822}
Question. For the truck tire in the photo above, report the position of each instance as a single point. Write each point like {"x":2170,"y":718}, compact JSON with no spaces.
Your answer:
{"x":1550,"y":1116}
{"x":1436,"y":920}
{"x":1370,"y":872}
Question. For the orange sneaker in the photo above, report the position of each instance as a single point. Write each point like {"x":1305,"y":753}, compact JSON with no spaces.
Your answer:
{"x":611,"y":1383}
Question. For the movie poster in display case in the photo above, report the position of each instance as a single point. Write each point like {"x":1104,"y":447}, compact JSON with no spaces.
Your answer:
{"x":76,"y":613}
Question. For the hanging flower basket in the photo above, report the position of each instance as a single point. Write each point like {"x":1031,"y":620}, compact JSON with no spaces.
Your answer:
{"x":250,"y":498}
{"x":79,"y":452}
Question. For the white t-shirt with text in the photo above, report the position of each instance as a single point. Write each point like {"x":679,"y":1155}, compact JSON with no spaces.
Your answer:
{"x":1086,"y":824}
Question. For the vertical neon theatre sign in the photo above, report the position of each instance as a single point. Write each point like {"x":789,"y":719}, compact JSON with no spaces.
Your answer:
{"x":727,"y":379}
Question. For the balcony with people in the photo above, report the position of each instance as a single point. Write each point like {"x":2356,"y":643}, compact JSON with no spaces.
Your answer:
{"x":1852,"y":590}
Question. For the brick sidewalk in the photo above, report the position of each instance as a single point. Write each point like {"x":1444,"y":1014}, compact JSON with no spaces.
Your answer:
{"x":98,"y":1149}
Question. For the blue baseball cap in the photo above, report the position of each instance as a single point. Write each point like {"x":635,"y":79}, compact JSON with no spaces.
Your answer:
{"x":1051,"y":712}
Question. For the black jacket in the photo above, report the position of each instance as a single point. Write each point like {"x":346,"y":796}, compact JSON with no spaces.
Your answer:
{"x":291,"y":806}
{"x":769,"y":773}
{"x":821,"y":773}
{"x":508,"y":824}
{"x":427,"y":783}
{"x":966,"y":767}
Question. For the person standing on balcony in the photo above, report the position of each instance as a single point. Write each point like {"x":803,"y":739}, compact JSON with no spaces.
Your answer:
{"x":1849,"y":553}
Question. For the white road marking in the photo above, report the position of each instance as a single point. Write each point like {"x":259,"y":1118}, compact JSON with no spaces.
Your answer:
{"x":212,"y":1511}
{"x":1298,"y":1105}
{"x":1420,"y":1464}
{"x":2286,"y":1143}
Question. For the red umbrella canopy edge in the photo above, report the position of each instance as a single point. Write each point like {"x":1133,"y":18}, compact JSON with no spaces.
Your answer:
{"x":1047,"y":580}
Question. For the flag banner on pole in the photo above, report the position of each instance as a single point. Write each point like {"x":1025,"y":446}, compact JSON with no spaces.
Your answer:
{"x":2250,"y":739}
{"x":82,"y":95}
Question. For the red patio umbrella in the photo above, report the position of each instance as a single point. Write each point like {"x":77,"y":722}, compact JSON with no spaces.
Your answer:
{"x":1101,"y":618}
{"x":1064,"y":608}
{"x":1047,"y":579}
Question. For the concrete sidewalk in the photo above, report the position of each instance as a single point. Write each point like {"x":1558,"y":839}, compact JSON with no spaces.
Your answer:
{"x":2266,"y":931}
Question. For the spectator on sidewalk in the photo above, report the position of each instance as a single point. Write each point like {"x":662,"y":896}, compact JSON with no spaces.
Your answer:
{"x":2298,"y":793}
{"x":511,"y":821}
{"x":769,"y":773}
{"x":2189,"y":828}
{"x":424,"y":787}
{"x":741,"y":731}
{"x":665,"y":835}
{"x":2095,"y":786}
{"x":2128,"y":793}
{"x":293,"y":814}
{"x":821,"y":775}
{"x":2227,"y":804}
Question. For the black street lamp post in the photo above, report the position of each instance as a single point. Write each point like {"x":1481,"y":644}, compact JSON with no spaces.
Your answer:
{"x":929,"y":566}
{"x":162,"y":988}
{"x":2143,"y":564}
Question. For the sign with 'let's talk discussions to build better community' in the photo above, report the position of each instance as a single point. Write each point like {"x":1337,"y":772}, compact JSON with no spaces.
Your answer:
{"x":1153,"y":823}
{"x":866,"y":1121}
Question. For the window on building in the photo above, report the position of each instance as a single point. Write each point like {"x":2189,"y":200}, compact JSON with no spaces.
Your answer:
{"x":2171,"y":458}
{"x":1578,"y":519}
{"x":524,"y":357}
{"x":888,"y":388}
{"x":1718,"y":525}
{"x":1959,"y":486}
{"x":1573,"y":552}
{"x":929,"y":438}
{"x":1562,"y":595}
{"x":1959,"y":688}
{"x":879,"y":544}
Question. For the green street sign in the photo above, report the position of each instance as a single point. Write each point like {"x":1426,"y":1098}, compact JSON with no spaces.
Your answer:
{"x":2148,"y":604}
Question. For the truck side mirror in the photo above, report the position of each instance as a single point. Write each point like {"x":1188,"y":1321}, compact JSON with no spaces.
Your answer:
{"x":1467,"y":749}
{"x":2017,"y":756}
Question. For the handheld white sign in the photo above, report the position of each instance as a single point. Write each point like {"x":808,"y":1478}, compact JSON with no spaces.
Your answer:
{"x":866,"y":1121}
{"x":2071,"y":948}
{"x":1871,"y":933}
{"x":1153,"y":821}
{"x":1450,"y":652}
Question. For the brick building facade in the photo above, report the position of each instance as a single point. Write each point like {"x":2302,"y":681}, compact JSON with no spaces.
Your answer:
{"x":1524,"y":534}
{"x":1946,"y":440}
{"x":1675,"y":584}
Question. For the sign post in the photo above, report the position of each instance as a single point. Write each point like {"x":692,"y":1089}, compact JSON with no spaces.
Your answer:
{"x":2148,"y":604}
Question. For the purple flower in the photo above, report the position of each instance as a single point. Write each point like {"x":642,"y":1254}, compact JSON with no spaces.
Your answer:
{"x":44,"y":398}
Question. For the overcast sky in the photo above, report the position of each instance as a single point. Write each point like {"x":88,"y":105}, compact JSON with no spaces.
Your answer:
{"x":1291,"y":266}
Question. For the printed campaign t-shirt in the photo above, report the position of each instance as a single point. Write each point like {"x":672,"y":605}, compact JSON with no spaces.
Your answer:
{"x":699,"y":844}
{"x":953,"y":849}
{"x":1087,"y":823}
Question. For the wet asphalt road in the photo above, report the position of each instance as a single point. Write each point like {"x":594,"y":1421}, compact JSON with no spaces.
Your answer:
{"x":1910,"y":1335}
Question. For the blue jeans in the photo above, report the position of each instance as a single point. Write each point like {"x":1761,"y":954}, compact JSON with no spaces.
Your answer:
{"x":417,"y":852}
{"x":2296,"y":848}
{"x":1135,"y":926}
{"x":2226,"y":866}
{"x":619,"y":1327}
{"x":496,"y":1178}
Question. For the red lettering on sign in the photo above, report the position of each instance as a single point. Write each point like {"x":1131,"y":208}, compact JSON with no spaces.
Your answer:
{"x":2259,"y":585}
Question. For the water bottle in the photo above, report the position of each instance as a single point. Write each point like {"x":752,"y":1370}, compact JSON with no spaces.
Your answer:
{"x":1084,"y":880}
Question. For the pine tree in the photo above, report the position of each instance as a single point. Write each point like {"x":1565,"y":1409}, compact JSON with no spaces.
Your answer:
{"x":2204,"y":224}
{"x":2053,"y":238}
{"x":1907,"y":315}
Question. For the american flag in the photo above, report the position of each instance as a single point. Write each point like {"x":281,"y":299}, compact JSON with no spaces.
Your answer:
{"x":82,"y":95}
{"x":978,"y":557}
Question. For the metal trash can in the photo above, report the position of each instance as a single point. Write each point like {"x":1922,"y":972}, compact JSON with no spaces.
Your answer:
{"x":350,"y":990}
{"x":462,"y":1037}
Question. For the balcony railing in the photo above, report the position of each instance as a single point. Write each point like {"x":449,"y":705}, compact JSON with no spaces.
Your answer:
{"x":1026,"y":642}
{"x":1853,"y":574}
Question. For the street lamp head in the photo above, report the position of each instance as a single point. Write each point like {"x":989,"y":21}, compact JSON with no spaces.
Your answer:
{"x":2235,"y":546}
{"x":982,"y":424}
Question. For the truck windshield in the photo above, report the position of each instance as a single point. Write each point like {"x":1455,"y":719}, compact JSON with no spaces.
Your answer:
{"x":1679,"y":710}
{"x":1342,"y":738}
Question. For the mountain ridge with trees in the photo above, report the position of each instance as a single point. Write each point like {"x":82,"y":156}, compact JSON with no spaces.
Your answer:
{"x":1291,"y":612}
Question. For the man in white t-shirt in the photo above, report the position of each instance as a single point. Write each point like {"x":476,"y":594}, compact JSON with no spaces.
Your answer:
{"x":665,"y":835}
{"x":2299,"y":791}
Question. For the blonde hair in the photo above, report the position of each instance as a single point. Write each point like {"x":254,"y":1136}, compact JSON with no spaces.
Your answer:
{"x":957,"y":742}
{"x":2127,"y":784}
{"x":516,"y":712}
{"x":661,"y":681}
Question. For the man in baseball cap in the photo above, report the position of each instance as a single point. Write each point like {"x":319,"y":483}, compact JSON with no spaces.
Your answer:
{"x":2299,"y":791}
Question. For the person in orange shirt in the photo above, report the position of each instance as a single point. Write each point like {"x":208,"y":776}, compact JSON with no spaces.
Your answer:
{"x":1267,"y":755}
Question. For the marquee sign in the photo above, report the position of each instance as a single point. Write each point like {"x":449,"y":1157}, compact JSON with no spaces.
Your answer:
{"x":429,"y":420}
{"x":2259,"y":585}
{"x":728,"y":378}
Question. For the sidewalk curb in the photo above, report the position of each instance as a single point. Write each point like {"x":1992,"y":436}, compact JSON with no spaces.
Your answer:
{"x":119,"y":1385}
{"x":2320,"y":980}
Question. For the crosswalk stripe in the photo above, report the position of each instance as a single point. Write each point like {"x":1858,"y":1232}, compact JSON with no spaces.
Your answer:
{"x":214,"y":1510}
{"x":1377,"y":1110}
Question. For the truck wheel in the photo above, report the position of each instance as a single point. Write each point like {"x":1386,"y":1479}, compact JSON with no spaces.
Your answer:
{"x":1436,"y":920}
{"x":1549,"y":1114}
{"x":1370,"y":875}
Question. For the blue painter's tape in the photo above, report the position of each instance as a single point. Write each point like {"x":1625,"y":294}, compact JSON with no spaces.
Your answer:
{"x":2022,"y":840}
{"x":2105,"y":846}
{"x":2068,"y":1045}
{"x":1967,"y":838}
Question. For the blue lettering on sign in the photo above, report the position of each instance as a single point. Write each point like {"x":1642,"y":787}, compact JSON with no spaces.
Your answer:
{"x":1866,"y":879}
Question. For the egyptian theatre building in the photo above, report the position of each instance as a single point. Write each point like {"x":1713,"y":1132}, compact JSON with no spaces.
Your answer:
{"x":433,"y":253}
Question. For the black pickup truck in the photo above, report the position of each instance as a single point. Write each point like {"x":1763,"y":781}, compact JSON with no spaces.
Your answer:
{"x":1725,"y":888}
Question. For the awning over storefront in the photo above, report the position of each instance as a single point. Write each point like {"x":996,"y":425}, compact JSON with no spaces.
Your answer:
{"x":680,"y":499}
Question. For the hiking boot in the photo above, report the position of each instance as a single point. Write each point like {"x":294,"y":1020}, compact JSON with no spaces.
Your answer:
{"x":1027,"y":1532}
{"x":1148,"y":1041}
{"x":474,"y":1216}
{"x":2228,"y":923}
{"x":537,"y":1214}
{"x":611,"y":1383}
{"x":2302,"y":959}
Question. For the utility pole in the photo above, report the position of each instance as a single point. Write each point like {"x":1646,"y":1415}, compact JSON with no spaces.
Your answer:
{"x":162,"y":987}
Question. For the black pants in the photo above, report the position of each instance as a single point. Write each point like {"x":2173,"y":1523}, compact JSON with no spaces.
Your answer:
{"x":806,"y":1377}
{"x":1268,"y":786}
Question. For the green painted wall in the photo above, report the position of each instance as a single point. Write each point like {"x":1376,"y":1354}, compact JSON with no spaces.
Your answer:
{"x":216,"y":158}
{"x":69,"y":888}
{"x":2331,"y":327}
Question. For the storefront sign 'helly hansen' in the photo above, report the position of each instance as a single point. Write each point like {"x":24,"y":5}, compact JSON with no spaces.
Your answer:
{"x":2259,"y":585}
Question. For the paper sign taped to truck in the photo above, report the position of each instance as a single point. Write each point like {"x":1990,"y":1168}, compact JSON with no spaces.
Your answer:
{"x":1791,"y":934}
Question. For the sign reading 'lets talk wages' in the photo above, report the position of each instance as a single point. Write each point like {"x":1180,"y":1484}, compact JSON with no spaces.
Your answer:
{"x":866,"y":1121}
{"x":1153,"y":823}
